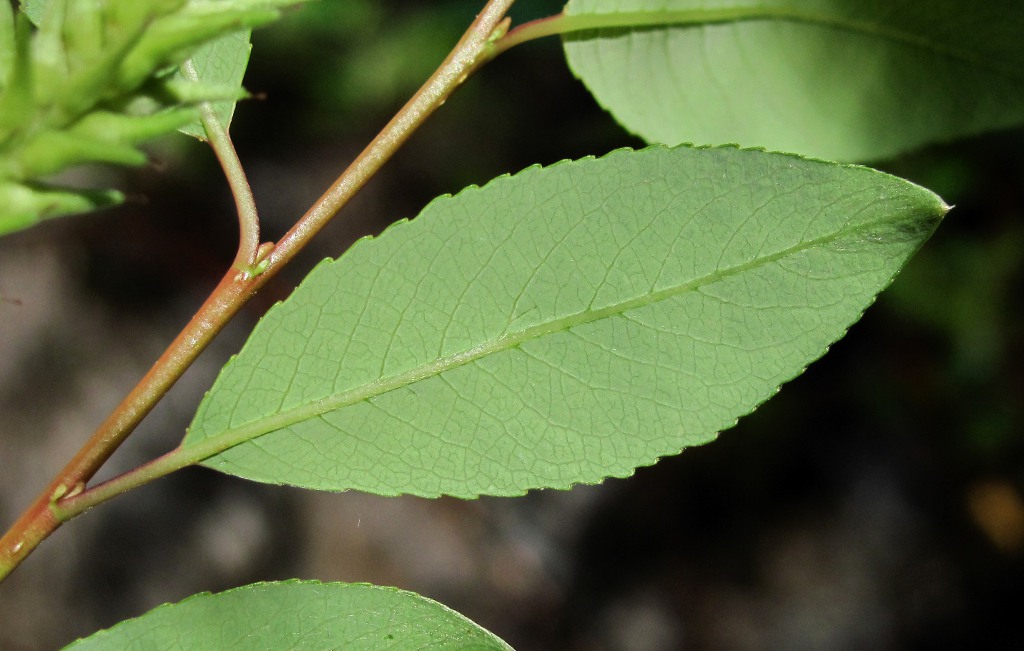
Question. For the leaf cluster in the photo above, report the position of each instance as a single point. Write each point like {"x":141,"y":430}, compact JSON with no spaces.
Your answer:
{"x":88,"y":81}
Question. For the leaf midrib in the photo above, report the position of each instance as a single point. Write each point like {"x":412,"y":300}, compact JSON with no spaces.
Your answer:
{"x":575,"y":23}
{"x":230,"y":438}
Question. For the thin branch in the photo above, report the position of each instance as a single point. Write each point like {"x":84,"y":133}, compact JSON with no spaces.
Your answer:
{"x":47,"y":512}
{"x":39,"y":520}
{"x":178,"y":458}
{"x":220,"y":140}
{"x":472,"y":50}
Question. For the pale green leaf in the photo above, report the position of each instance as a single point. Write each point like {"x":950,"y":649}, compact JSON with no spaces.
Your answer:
{"x":24,"y":204}
{"x":33,"y":9}
{"x":69,"y":90}
{"x":563,"y":325}
{"x":839,"y":79}
{"x":7,"y":43}
{"x":221,"y":62}
{"x":298,"y":616}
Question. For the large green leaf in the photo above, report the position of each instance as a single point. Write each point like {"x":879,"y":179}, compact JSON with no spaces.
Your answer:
{"x":839,"y":79}
{"x":298,"y":616}
{"x":562,"y":325}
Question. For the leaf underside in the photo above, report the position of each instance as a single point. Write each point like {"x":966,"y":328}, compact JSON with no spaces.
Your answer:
{"x":299,"y":616}
{"x":562,"y":325}
{"x":221,"y":62}
{"x":836,"y":79}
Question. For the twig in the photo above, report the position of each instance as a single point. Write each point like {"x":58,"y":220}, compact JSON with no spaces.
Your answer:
{"x":67,"y":495}
{"x":220,"y":140}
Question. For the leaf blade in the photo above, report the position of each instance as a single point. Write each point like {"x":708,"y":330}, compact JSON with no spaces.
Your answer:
{"x":457,"y":357}
{"x":838,"y":80}
{"x":221,"y":62}
{"x":297,"y":615}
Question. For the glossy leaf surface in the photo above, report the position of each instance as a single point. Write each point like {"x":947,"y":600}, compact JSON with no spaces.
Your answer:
{"x":298,"y":616}
{"x":837,"y":79}
{"x":562,"y":325}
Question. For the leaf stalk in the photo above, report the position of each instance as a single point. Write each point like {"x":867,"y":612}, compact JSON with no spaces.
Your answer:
{"x":67,"y":495}
{"x":220,"y":141}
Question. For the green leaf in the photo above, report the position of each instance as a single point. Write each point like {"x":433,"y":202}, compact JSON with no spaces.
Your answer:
{"x":132,"y":129}
{"x":298,"y":616}
{"x":839,"y":79}
{"x":26,"y":204}
{"x":16,"y":102}
{"x":95,"y":80}
{"x":221,"y":62}
{"x":560,"y":326}
{"x":34,"y":9}
{"x":51,"y":151}
{"x":8,"y":49}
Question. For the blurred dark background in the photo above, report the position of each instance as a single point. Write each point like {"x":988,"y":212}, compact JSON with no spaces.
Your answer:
{"x":875,"y":503}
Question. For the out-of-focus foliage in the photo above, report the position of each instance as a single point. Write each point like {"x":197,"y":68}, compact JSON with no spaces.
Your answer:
{"x":371,"y":56}
{"x":835,"y":79}
{"x":95,"y":80}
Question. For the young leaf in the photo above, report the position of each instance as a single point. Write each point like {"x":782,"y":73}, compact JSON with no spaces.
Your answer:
{"x":92,"y":83}
{"x":299,"y":616}
{"x":7,"y":44}
{"x":33,"y":9}
{"x":27,"y":204}
{"x":560,"y":326}
{"x":221,"y":62}
{"x":844,"y":80}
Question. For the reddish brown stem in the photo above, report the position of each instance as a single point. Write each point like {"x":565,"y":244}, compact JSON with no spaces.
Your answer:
{"x":39,"y":520}
{"x":44,"y":516}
